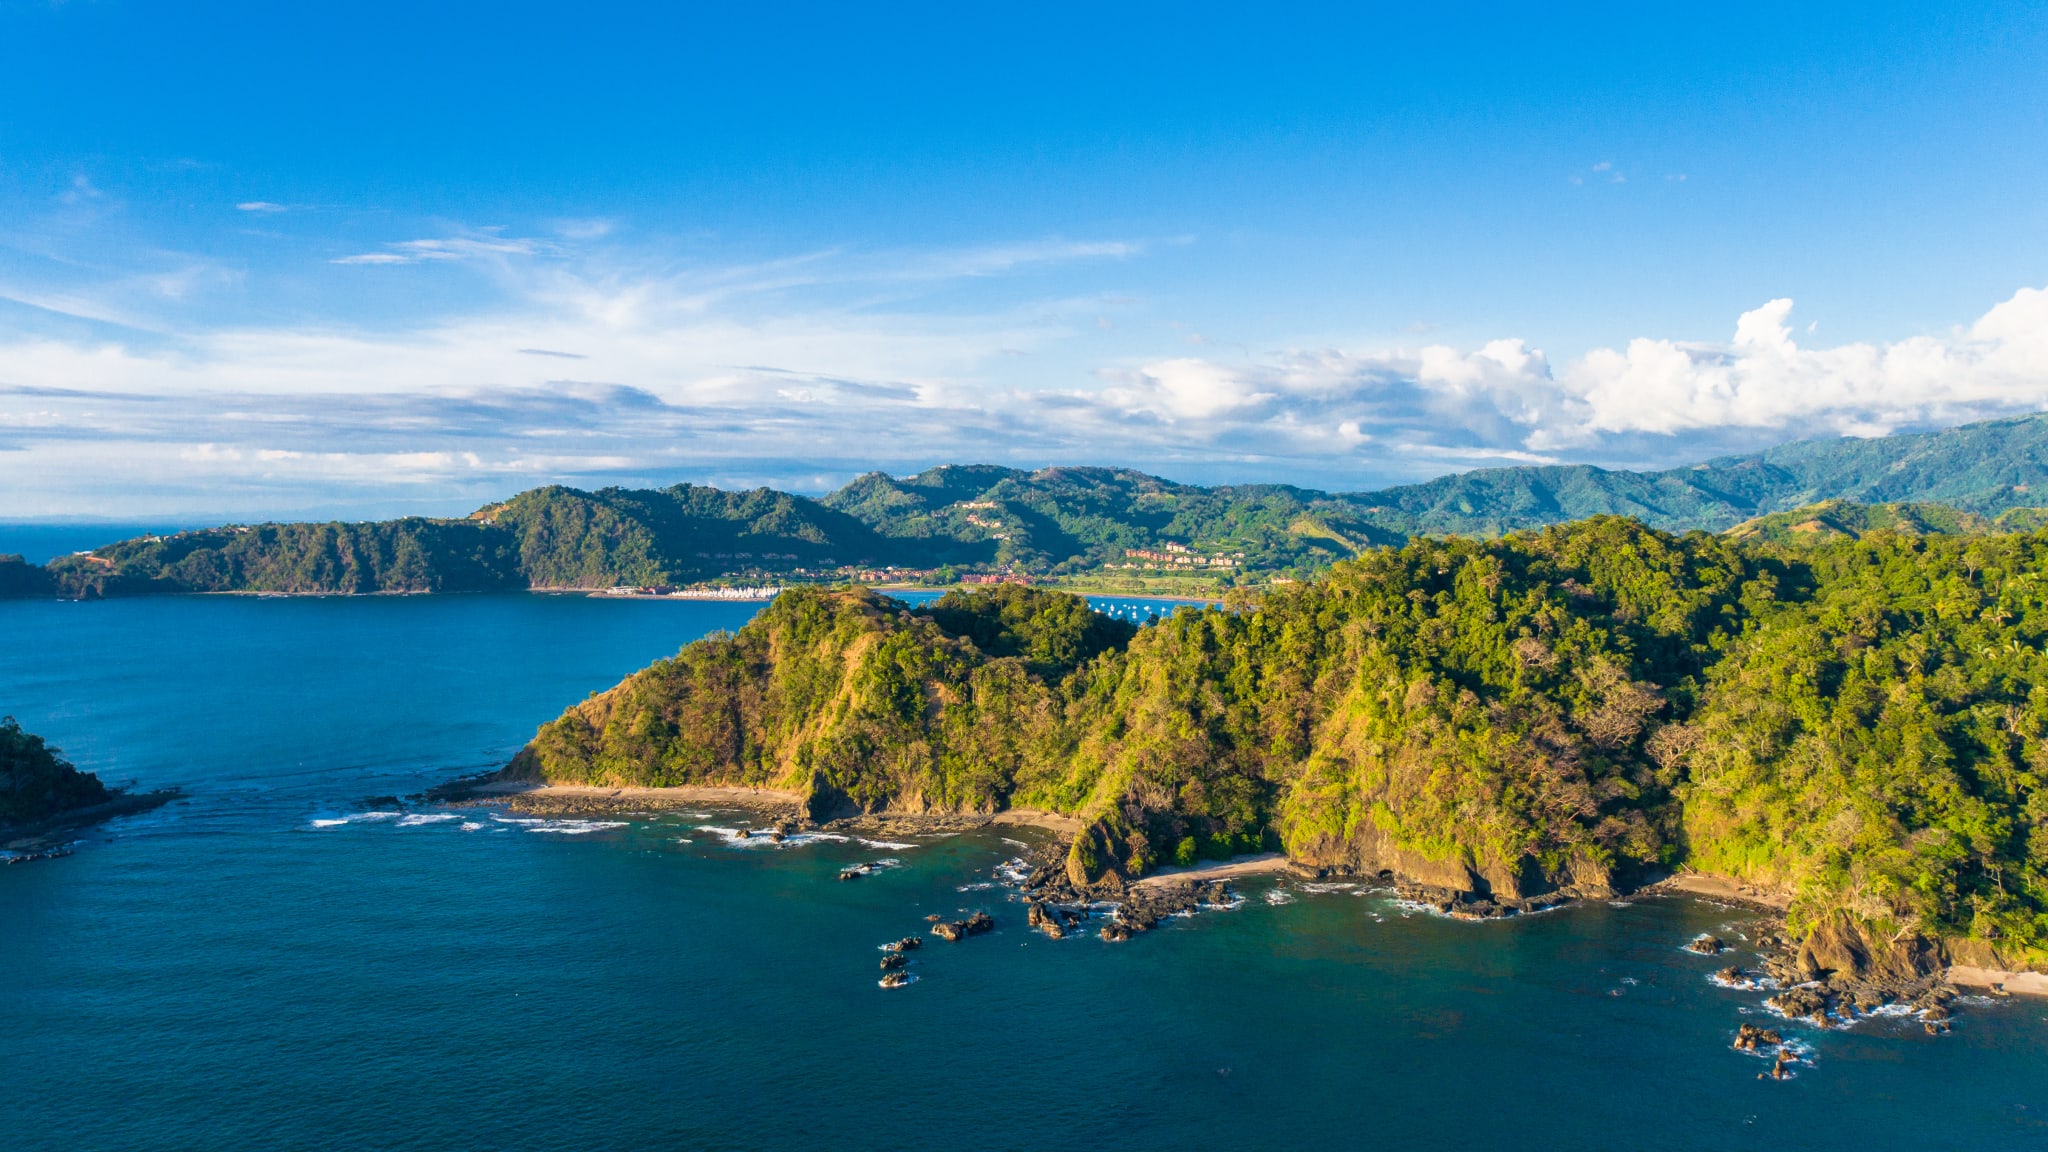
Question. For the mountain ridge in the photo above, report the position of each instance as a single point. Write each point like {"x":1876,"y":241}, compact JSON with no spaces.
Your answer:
{"x":1066,"y":522}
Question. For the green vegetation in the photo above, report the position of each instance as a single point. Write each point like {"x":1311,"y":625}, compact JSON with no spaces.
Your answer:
{"x":1861,"y":721}
{"x":37,"y":783}
{"x":20,"y":578}
{"x":410,"y":555}
{"x":1103,"y":529}
{"x":1832,"y":520}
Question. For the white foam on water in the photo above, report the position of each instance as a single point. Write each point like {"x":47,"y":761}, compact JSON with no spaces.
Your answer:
{"x":1015,"y":843}
{"x":378,"y":815}
{"x":756,"y":838}
{"x":334,"y":823}
{"x":892,"y":845}
{"x":1318,"y":888}
{"x":1744,"y":984}
{"x":1279,"y":896}
{"x":684,"y":840}
{"x":979,"y":886}
{"x":419,"y":818}
{"x":1621,"y":903}
{"x":565,"y":827}
{"x":471,"y":826}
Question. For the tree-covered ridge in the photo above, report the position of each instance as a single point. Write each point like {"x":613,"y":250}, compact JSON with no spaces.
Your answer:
{"x":1877,"y":741}
{"x":1065,"y":520}
{"x":1860,"y":722}
{"x":410,"y":555}
{"x":35,"y":782}
{"x":1091,"y":523}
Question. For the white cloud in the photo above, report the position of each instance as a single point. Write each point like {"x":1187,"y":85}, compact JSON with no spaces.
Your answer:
{"x":1762,"y":378}
{"x":829,"y":361}
{"x":263,"y":206}
{"x":479,"y":245}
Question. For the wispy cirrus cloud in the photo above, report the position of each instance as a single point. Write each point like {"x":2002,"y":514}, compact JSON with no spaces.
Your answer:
{"x":483,"y":244}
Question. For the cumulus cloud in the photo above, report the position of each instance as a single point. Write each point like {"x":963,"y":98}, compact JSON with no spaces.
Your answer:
{"x":754,"y":371}
{"x":1762,"y":378}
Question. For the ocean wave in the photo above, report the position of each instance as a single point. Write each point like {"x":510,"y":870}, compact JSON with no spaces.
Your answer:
{"x":338,"y":821}
{"x":1015,"y":843}
{"x":1320,"y":887}
{"x":471,"y":826}
{"x":1279,"y":896}
{"x":978,"y":886}
{"x":419,"y":818}
{"x":562,"y":827}
{"x":892,"y":845}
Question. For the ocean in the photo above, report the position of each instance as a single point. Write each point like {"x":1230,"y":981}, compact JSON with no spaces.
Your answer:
{"x":275,"y":961}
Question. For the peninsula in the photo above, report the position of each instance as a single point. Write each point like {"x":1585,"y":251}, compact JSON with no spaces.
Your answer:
{"x":1858,"y":723}
{"x":42,"y":795}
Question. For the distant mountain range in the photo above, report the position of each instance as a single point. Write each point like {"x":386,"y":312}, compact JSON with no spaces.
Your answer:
{"x":1060,"y":522}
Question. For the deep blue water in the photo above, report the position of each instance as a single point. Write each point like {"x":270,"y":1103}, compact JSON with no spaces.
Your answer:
{"x":227,"y":972}
{"x":39,"y":543}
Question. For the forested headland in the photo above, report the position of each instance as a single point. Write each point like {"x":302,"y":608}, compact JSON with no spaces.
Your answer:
{"x":1856,"y":719}
{"x":36,"y":783}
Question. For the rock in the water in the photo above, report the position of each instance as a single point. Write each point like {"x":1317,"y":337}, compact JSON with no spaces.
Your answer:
{"x":1115,"y":933}
{"x":980,"y":922}
{"x":1804,"y":1002}
{"x":907,"y":944}
{"x":896,"y":979}
{"x":949,"y":929}
{"x":893,"y":961}
{"x":1750,"y":1038}
{"x":1707,"y":945}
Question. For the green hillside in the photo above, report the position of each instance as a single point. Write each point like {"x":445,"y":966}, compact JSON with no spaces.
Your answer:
{"x":1859,"y":722}
{"x":1834,"y":519}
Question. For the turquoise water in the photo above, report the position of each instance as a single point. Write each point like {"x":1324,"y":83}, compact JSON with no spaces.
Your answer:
{"x":232,"y":971}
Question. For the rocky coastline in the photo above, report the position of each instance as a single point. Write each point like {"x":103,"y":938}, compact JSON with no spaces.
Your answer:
{"x":51,"y":836}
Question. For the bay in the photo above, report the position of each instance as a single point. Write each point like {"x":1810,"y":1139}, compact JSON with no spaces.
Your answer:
{"x":265,"y":963}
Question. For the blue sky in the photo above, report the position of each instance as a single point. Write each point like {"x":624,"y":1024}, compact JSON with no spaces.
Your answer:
{"x":289,"y":259}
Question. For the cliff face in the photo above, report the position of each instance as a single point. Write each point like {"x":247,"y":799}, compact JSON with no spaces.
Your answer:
{"x":36,"y":783}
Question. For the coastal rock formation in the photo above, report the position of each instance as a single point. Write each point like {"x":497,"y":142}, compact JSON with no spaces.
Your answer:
{"x":1840,"y":943}
{"x":42,"y":795}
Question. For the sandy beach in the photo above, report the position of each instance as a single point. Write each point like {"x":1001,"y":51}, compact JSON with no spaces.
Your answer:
{"x":1263,"y":865}
{"x":1724,"y":888}
{"x":1038,"y":818}
{"x":2018,"y":983}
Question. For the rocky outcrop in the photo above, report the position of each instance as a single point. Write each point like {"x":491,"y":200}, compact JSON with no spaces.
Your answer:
{"x":1841,"y":944}
{"x":1463,"y":886}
